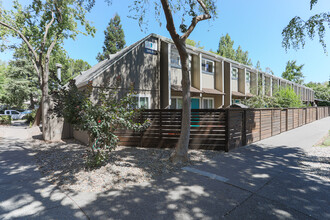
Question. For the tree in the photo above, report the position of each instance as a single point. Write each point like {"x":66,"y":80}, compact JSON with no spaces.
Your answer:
{"x":114,"y":38}
{"x":197,"y":10}
{"x":322,"y":90}
{"x":3,"y":70}
{"x":269,"y":71}
{"x":294,"y":34}
{"x":21,"y":84}
{"x":194,"y":44}
{"x":242,"y":56}
{"x":293,"y":72}
{"x":226,"y":48}
{"x":258,"y":67}
{"x":42,"y":26}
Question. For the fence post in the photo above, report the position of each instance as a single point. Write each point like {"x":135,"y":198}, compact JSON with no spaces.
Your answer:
{"x":244,"y":142}
{"x":160,"y":124}
{"x":287,"y":119}
{"x":271,"y":122}
{"x":317,"y":113}
{"x":227,"y":130}
{"x":305,"y":115}
{"x":141,"y":132}
{"x":260,"y":126}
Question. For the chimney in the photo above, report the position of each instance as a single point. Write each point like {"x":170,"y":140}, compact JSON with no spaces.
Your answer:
{"x":58,"y":66}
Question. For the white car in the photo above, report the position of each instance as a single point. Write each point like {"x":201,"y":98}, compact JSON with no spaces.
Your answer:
{"x":13,"y":113}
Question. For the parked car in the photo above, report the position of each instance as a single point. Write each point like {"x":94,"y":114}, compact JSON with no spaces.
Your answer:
{"x":13,"y":113}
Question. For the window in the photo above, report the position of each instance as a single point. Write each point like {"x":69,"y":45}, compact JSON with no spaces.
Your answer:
{"x":142,"y":101}
{"x":234,"y":73}
{"x":207,"y":66}
{"x":176,"y":103}
{"x":175,"y":57}
{"x":247,"y":77}
{"x":208,"y":103}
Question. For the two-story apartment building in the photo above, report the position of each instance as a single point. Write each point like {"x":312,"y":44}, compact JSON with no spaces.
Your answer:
{"x":152,"y":66}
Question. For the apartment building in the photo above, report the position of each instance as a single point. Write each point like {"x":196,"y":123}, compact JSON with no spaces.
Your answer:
{"x":152,"y":66}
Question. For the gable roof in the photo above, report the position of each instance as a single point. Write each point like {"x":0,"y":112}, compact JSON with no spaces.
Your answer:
{"x":90,"y":74}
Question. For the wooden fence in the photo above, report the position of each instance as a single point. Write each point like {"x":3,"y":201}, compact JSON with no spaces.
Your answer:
{"x":219,"y":129}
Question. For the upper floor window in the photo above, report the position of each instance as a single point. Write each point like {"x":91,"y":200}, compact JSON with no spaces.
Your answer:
{"x":207,"y":66}
{"x":248,"y":77}
{"x":234,"y":73}
{"x":175,"y":57}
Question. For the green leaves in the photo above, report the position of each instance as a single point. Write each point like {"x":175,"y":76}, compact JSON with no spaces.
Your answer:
{"x":102,"y":118}
{"x":293,"y":72}
{"x":294,"y":34}
{"x":114,"y":38}
{"x":226,"y":49}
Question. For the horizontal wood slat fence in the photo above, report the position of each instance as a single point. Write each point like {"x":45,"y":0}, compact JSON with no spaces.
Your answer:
{"x":219,"y":129}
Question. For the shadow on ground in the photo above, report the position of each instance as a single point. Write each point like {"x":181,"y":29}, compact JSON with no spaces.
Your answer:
{"x":23,"y":192}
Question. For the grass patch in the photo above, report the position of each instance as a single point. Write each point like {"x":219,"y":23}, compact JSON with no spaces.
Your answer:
{"x":325,"y":142}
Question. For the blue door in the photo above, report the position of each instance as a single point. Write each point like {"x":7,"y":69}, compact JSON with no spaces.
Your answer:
{"x":194,"y":103}
{"x":194,"y":116}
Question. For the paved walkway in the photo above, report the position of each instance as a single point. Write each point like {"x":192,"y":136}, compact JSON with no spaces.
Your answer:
{"x":24,"y":194}
{"x":265,"y":180}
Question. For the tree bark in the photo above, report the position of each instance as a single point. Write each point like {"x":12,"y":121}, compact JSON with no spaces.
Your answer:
{"x":180,"y":154}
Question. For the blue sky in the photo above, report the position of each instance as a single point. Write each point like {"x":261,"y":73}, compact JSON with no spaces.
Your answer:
{"x":256,"y":25}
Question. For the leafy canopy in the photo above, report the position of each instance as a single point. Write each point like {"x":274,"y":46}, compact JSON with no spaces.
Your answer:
{"x":226,"y":49}
{"x":298,"y":29}
{"x":293,"y":72}
{"x":114,"y":38}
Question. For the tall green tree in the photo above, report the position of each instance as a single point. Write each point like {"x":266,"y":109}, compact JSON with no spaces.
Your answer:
{"x":42,"y":26}
{"x":114,"y":38}
{"x":242,"y":56}
{"x":21,"y":84}
{"x":226,"y":47}
{"x":3,"y":70}
{"x":196,"y":11}
{"x":298,"y":29}
{"x":293,"y":72}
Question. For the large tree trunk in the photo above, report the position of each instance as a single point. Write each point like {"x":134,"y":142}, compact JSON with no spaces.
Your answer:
{"x":180,"y":153}
{"x":46,"y":133}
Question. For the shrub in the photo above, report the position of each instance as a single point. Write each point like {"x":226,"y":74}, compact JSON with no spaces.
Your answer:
{"x":283,"y":98}
{"x":30,"y":117}
{"x":5,"y":119}
{"x":101,"y":119}
{"x":287,"y":98}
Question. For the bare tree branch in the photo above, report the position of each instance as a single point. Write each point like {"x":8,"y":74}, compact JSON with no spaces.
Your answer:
{"x":169,"y":18}
{"x":195,"y":20}
{"x":46,"y":32}
{"x":22,"y":37}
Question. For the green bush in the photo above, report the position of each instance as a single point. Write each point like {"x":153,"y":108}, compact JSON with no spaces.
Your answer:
{"x":101,"y":120}
{"x":283,"y":98}
{"x":30,"y":117}
{"x":287,"y":98}
{"x":5,"y":120}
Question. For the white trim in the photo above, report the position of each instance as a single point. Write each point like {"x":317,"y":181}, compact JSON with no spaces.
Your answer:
{"x":213,"y":64}
{"x":208,"y":98}
{"x":143,"y":96}
{"x":231,"y":73}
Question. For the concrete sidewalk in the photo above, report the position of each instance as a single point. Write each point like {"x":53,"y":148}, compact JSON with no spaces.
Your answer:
{"x":265,"y":181}
{"x":24,"y":194}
